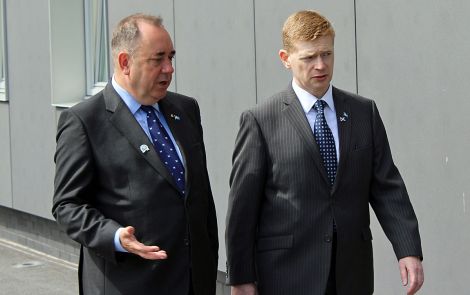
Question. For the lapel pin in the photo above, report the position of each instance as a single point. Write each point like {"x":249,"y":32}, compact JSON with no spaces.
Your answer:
{"x":144,"y":148}
{"x":175,"y":117}
{"x":344,"y":117}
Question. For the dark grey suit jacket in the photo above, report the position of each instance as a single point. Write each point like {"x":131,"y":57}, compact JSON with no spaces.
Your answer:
{"x":281,"y":208}
{"x":105,"y":181}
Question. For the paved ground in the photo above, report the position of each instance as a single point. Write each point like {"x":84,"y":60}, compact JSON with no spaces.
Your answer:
{"x":25,"y":271}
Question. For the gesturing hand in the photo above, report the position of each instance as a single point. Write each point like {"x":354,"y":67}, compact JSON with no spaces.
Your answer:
{"x":132,"y":245}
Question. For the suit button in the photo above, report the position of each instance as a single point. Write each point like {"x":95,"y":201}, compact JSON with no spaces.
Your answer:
{"x":327,"y":238}
{"x":186,"y":242}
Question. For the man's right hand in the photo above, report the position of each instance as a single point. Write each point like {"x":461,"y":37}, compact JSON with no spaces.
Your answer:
{"x":132,"y":245}
{"x":245,"y":289}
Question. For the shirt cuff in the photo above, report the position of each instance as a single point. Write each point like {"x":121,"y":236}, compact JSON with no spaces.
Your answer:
{"x":117,"y":243}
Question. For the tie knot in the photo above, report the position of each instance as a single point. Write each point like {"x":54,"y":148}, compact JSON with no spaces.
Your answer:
{"x":147,"y":108}
{"x":320,"y":105}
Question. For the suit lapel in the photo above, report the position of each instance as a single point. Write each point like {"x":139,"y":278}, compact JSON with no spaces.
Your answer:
{"x":296,"y":115}
{"x":125,"y":122}
{"x":343,"y":118}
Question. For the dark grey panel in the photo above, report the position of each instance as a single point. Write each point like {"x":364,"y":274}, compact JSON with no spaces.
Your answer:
{"x":270,"y":17}
{"x":413,"y":59}
{"x":215,"y":63}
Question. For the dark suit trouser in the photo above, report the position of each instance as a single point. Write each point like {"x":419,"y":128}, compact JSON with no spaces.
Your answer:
{"x":331,"y":285}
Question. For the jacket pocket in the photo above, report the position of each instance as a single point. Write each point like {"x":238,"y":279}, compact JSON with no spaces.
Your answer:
{"x":275,"y":243}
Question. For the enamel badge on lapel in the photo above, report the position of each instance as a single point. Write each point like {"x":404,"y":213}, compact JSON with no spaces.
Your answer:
{"x":144,"y":148}
{"x":177,"y":118}
{"x":344,"y":117}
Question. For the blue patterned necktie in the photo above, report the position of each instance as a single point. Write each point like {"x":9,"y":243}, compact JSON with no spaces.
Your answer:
{"x":325,"y":141}
{"x":165,"y":148}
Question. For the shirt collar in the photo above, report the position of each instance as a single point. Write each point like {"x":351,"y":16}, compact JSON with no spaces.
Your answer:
{"x":128,"y":99}
{"x":307,"y":100}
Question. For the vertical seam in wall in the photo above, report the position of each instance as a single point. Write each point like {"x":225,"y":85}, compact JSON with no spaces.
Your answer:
{"x":355,"y":47}
{"x":11,"y":160}
{"x":7,"y":93}
{"x":254,"y":43}
{"x":174,"y":43}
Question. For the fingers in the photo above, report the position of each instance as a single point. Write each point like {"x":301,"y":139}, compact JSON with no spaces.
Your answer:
{"x":403,"y":274}
{"x":416,"y":280}
{"x":245,"y":289}
{"x":132,"y":245}
{"x":412,"y":275}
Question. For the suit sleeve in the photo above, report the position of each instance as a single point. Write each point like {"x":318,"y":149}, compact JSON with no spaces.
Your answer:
{"x":74,"y":189}
{"x":389,"y":197}
{"x":247,"y":181}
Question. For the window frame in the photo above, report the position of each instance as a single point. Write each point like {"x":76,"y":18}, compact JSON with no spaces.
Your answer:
{"x":94,"y":86}
{"x":3,"y":54}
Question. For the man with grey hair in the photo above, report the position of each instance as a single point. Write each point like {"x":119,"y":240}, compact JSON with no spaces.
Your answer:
{"x":131,"y":183}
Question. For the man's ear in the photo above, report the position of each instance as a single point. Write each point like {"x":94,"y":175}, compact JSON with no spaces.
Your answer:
{"x":124,"y":62}
{"x":284,"y":56}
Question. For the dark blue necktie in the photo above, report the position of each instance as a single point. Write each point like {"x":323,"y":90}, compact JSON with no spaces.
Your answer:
{"x":165,"y":148}
{"x":325,"y":141}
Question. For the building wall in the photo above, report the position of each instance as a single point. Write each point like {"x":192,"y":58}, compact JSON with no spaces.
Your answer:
{"x":411,"y":57}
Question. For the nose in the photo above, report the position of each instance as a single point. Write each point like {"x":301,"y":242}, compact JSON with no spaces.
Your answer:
{"x":168,"y":67}
{"x":319,"y":63}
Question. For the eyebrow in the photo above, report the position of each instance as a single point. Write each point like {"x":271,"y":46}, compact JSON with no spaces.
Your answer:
{"x":313,"y":53}
{"x":162,"y":53}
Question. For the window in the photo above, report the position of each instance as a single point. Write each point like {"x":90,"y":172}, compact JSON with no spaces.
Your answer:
{"x":3,"y":63}
{"x":96,"y":40}
{"x":67,"y":55}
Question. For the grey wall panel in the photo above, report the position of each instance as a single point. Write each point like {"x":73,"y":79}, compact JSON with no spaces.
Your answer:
{"x":118,"y":9}
{"x":269,"y":19}
{"x":413,"y":59}
{"x":32,"y":117}
{"x":5,"y":167}
{"x":215,"y":63}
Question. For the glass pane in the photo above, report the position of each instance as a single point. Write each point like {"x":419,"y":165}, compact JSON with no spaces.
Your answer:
{"x":97,"y":45}
{"x":2,"y":53}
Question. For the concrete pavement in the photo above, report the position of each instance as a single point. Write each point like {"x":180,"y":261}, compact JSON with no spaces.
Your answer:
{"x":25,"y":271}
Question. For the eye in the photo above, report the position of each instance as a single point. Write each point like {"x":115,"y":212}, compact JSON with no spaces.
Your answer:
{"x":155,"y":61}
{"x":309,"y":57}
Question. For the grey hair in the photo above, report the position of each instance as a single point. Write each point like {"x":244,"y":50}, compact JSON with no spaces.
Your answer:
{"x":126,"y":34}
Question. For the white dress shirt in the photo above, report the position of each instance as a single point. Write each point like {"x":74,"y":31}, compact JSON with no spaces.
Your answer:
{"x":307,"y":101}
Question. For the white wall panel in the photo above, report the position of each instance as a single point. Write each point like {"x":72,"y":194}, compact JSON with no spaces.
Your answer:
{"x":413,"y":59}
{"x":215,"y":64}
{"x":32,"y":117}
{"x":5,"y":157}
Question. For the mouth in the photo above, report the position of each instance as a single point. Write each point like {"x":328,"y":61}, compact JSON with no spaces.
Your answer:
{"x":164,"y":83}
{"x":320,"y":77}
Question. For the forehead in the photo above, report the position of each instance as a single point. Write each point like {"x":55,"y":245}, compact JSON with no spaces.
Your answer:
{"x":155,"y":40}
{"x":323,"y":43}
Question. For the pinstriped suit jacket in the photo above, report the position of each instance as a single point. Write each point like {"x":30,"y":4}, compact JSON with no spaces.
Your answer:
{"x":281,"y":207}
